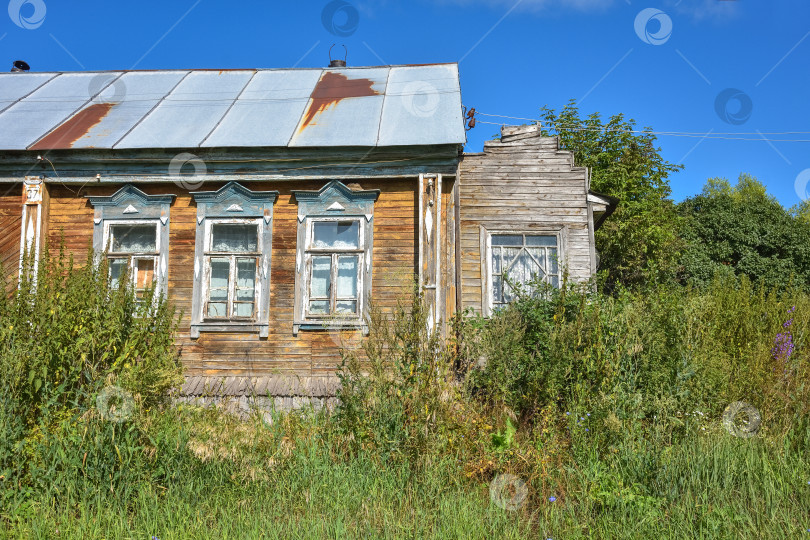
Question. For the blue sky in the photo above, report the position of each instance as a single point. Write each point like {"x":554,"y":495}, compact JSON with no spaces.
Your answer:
{"x":669,"y":67}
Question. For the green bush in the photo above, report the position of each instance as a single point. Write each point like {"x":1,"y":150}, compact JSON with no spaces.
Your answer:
{"x":637,"y":356}
{"x":66,"y":333}
{"x":395,"y":396}
{"x":744,"y":231}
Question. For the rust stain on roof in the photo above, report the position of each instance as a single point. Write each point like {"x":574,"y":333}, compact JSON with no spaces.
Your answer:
{"x":74,"y":128}
{"x":331,"y":89}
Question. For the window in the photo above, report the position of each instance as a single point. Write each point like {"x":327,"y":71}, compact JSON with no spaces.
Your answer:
{"x":132,"y":247}
{"x":133,"y":229}
{"x":232,"y":260}
{"x":334,"y":257}
{"x":521,"y":259}
{"x":231,"y":264}
{"x":333,"y":262}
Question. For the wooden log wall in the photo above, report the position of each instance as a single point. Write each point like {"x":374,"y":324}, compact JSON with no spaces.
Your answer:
{"x":522,"y":183}
{"x":282,"y":364}
{"x":10,"y":229}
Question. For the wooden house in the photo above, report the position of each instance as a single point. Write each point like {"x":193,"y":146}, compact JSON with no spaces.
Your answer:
{"x":274,"y":206}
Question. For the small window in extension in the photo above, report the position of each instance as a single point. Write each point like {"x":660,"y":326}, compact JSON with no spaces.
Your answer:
{"x":133,"y":249}
{"x":232,"y":261}
{"x":521,"y":259}
{"x":335,"y":255}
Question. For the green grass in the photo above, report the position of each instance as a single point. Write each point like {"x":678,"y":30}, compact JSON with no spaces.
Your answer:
{"x":708,"y":485}
{"x":412,"y":448}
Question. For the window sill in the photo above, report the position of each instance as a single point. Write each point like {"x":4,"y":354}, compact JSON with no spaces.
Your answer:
{"x":327,"y":325}
{"x":226,"y":326}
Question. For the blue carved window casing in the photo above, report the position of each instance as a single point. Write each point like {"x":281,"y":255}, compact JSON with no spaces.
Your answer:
{"x":132,"y":228}
{"x":232,"y":260}
{"x":333,"y":256}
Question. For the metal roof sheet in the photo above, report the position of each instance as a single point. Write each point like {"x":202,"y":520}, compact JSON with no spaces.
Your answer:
{"x":374,"y":106}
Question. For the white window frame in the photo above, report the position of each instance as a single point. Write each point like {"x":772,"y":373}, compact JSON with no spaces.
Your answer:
{"x":489,"y":302}
{"x":311,"y":251}
{"x":132,"y":257}
{"x":208,"y":253}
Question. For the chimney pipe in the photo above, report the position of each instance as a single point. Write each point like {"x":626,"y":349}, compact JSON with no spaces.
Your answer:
{"x":20,"y":67}
{"x":337,"y":62}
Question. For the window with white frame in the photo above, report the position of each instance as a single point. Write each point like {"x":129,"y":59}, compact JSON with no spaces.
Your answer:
{"x":333,"y":260}
{"x":334,"y":257}
{"x":232,"y":260}
{"x":132,"y":229}
{"x":523,"y":260}
{"x":133,"y":250}
{"x":232,"y":257}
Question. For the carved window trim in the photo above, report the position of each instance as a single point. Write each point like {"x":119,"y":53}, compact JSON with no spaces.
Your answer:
{"x":560,"y":232}
{"x":233,"y":203}
{"x":333,"y":202}
{"x":130,"y":205}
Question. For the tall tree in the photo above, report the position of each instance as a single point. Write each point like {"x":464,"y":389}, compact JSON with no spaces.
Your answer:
{"x":639,"y":243}
{"x":743,"y":230}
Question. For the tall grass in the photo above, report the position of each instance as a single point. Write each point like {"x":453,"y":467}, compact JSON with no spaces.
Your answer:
{"x":608,"y":408}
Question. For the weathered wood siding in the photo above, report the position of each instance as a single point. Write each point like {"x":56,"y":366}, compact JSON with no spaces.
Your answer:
{"x":282,"y":357}
{"x":10,"y":223}
{"x":524,"y":184}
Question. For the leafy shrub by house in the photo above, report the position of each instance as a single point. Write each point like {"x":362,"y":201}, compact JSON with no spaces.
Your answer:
{"x":65,"y":333}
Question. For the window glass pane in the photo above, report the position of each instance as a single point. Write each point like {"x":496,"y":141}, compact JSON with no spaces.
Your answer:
{"x":346,"y":307}
{"x":319,"y":284}
{"x":133,"y":238}
{"x":509,"y":254}
{"x":234,"y":237}
{"x":553,"y":262}
{"x":319,"y":307}
{"x":496,"y":289}
{"x":243,"y":309}
{"x":144,"y":273}
{"x":539,"y":255}
{"x":336,"y":234}
{"x":555,"y":281}
{"x":507,"y":293}
{"x":218,"y":287}
{"x":117,"y":269}
{"x":496,"y":260}
{"x":217,"y":309}
{"x":507,"y":240}
{"x":541,"y":240}
{"x":523,"y":268}
{"x":246,"y":274}
{"x":347,"y":277}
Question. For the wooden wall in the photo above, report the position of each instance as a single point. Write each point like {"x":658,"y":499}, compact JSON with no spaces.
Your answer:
{"x":310,"y":354}
{"x":10,"y":223}
{"x":522,"y":183}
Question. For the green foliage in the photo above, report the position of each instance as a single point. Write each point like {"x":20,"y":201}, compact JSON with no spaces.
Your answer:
{"x":394,"y":398}
{"x":639,"y":243}
{"x":742,"y":230}
{"x":608,"y":407}
{"x":638,"y":356}
{"x":63,"y":336}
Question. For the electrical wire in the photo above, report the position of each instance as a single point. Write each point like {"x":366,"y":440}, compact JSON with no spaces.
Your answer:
{"x":715,"y":135}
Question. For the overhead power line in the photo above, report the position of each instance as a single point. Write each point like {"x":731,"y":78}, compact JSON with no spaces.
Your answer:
{"x":727,"y":136}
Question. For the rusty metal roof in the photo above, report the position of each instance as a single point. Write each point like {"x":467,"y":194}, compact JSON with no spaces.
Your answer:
{"x":369,"y":106}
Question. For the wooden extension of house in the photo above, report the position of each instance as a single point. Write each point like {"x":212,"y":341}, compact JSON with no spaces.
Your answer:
{"x":274,"y":207}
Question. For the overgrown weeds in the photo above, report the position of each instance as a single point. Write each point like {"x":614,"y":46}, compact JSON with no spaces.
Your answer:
{"x":608,"y":408}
